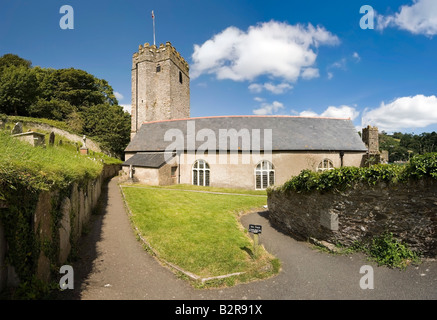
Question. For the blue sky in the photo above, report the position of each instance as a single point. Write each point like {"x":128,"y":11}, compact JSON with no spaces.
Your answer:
{"x":308,"y":58}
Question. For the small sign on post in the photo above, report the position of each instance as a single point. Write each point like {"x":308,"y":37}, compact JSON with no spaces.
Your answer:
{"x":256,"y":230}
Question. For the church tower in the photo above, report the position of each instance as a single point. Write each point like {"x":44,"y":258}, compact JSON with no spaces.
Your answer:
{"x":160,"y":85}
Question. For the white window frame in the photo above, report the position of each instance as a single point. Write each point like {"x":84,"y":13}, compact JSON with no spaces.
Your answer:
{"x":325,"y":165}
{"x":260,"y":169}
{"x":206,"y":168}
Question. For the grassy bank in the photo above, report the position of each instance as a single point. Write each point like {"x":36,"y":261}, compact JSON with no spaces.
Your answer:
{"x":200,"y":232}
{"x":42,"y":168}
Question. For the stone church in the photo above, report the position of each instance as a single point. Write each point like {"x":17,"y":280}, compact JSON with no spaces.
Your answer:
{"x":251,"y":152}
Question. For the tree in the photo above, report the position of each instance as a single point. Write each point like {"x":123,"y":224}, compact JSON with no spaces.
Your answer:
{"x":12,"y":60}
{"x":109,"y":124}
{"x":81,"y":89}
{"x":87,"y":104}
{"x":18,"y":88}
{"x":53,"y":109}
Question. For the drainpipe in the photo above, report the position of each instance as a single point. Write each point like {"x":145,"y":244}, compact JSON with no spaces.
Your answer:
{"x":341,"y":158}
{"x":179,"y":168}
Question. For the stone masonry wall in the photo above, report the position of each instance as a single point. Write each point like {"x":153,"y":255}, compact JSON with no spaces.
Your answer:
{"x":75,"y":208}
{"x":409,"y":211}
{"x":159,"y":95}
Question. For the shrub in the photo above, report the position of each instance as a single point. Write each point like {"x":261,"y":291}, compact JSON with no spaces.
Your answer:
{"x":388,"y":251}
{"x":420,"y":166}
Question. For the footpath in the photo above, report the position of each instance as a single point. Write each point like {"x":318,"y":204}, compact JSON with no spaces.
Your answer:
{"x":113,"y":265}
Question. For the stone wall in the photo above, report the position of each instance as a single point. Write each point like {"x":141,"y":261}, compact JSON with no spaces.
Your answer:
{"x":408,"y":210}
{"x":159,"y":95}
{"x":75,"y":209}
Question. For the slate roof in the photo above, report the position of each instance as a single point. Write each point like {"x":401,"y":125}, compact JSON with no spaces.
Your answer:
{"x":148,"y":160}
{"x":289,"y":133}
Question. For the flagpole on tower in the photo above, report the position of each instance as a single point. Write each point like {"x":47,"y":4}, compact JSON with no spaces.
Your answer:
{"x":153,"y":18}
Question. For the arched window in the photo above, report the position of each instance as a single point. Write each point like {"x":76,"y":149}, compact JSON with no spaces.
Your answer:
{"x":201,"y":173}
{"x":264,"y":175}
{"x":326,"y":164}
{"x":180,"y":77}
{"x":158,"y":68}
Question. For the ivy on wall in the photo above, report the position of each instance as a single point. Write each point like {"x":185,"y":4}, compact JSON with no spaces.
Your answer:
{"x":25,"y":172}
{"x":420,"y":166}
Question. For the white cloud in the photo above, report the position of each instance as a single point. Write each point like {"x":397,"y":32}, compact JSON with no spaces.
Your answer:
{"x":256,"y":88}
{"x":340,"y":64}
{"x":126,"y":107}
{"x":356,"y":56}
{"x":406,"y":112}
{"x":118,"y":95}
{"x":333,"y":112}
{"x":276,"y":89}
{"x":341,"y":112}
{"x":269,"y":108}
{"x":419,"y":18}
{"x":272,"y":48}
{"x":330,"y":75}
{"x":310,"y":73}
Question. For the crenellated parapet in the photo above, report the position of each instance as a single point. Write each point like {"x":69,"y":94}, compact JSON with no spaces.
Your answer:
{"x":156,"y":54}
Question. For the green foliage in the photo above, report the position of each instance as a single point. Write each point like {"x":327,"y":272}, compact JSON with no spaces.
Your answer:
{"x":33,"y":289}
{"x":109,"y":125}
{"x":13,"y":60}
{"x":420,"y":166}
{"x":85,"y":103}
{"x":42,"y":168}
{"x":54,"y":109}
{"x":17,"y":90}
{"x":423,"y":166}
{"x":81,"y":89}
{"x":25,"y":172}
{"x":388,"y":251}
{"x":401,"y":146}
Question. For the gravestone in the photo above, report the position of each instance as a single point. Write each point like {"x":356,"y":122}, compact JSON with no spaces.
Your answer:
{"x":52,"y":138}
{"x":18,"y":128}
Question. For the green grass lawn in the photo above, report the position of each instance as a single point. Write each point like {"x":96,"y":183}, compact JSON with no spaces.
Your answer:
{"x":199,"y":232}
{"x":211,"y":189}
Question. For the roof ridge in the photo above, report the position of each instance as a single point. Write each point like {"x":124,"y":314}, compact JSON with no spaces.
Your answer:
{"x":247,"y":116}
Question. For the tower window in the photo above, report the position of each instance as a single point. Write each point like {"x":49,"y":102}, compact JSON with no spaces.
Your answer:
{"x":180,"y":77}
{"x":158,"y":68}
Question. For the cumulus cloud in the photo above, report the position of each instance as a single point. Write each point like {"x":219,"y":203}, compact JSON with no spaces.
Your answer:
{"x":402,"y":113}
{"x":276,"y":89}
{"x":418,"y":18}
{"x":272,"y":48}
{"x":333,"y":112}
{"x":268,"y":108}
{"x":310,"y":73}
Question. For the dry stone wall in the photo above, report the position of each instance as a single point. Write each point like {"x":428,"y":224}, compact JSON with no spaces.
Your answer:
{"x":407,"y":210}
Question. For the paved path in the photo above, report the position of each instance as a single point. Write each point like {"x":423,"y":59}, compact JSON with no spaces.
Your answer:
{"x":113,"y":265}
